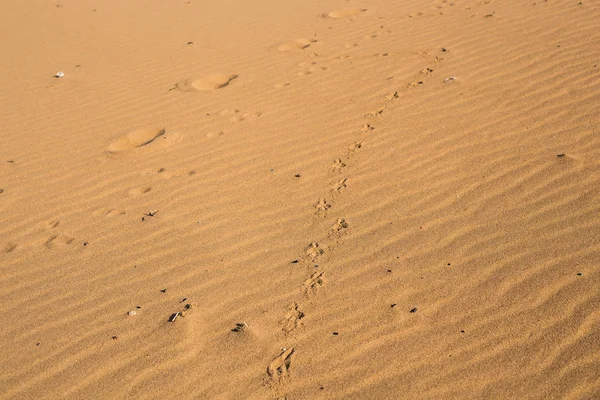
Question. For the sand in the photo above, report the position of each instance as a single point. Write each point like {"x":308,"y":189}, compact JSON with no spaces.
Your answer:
{"x":329,"y":199}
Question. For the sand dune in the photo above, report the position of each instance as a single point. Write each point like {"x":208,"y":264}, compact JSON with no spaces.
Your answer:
{"x":337,"y":200}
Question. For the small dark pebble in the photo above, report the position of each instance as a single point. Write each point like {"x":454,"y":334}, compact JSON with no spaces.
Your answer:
{"x":335,"y":333}
{"x":12,"y":161}
{"x":184,"y":299}
{"x":448,"y":264}
{"x":462,"y":331}
{"x":297,"y":175}
{"x":389,"y":270}
{"x":393,"y":305}
{"x":316,"y":265}
{"x":37,"y":344}
{"x":560,"y":155}
{"x":138,"y":307}
{"x":115,"y":337}
{"x":444,"y":49}
{"x":143,"y":219}
{"x":295,"y":262}
{"x":322,"y":388}
{"x":190,"y":42}
{"x":77,"y":65}
{"x":1,"y":190}
{"x":414,"y":310}
{"x":163,"y":290}
{"x":579,"y":274}
{"x":187,"y":306}
{"x":85,"y":243}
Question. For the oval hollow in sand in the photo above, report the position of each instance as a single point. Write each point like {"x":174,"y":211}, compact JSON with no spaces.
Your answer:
{"x":212,"y":82}
{"x":135,"y":139}
{"x":298,"y":44}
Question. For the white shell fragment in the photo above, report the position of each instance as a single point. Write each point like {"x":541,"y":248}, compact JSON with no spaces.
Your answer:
{"x":132,"y":313}
{"x":59,"y":74}
{"x":450,"y":79}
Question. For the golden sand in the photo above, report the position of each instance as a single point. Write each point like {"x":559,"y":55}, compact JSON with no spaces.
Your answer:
{"x":329,"y":199}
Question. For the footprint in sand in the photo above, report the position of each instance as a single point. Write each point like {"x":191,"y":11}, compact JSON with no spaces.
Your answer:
{"x":340,"y":185}
{"x":346,"y":13}
{"x":144,"y":138}
{"x":178,"y":173}
{"x":292,"y":318}
{"x":58,"y":240}
{"x":354,"y":148}
{"x":139,"y":191}
{"x":313,"y":251}
{"x":208,"y":83}
{"x":168,"y":174}
{"x":107,"y":212}
{"x":339,"y":228}
{"x":280,"y":366}
{"x":322,"y":207}
{"x":8,"y":248}
{"x":214,"y":134}
{"x":312,"y":284}
{"x":338,"y":165}
{"x":46,"y":225}
{"x":295,"y":45}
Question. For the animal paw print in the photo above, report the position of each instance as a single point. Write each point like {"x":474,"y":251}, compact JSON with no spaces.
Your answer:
{"x":322,"y":206}
{"x":312,"y":284}
{"x":367,"y":128}
{"x":340,"y":186}
{"x":280,"y":366}
{"x":354,"y":148}
{"x":339,"y":227}
{"x":376,"y":113}
{"x":314,"y":251}
{"x":292,"y":318}
{"x":338,"y":165}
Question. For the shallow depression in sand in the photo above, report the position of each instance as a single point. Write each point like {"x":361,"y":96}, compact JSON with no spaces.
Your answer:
{"x":298,"y":44}
{"x":155,"y":138}
{"x":212,"y":82}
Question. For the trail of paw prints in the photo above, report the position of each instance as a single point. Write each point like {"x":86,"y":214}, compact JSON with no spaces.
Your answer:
{"x":45,"y":235}
{"x":308,"y":68}
{"x":419,"y":79}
